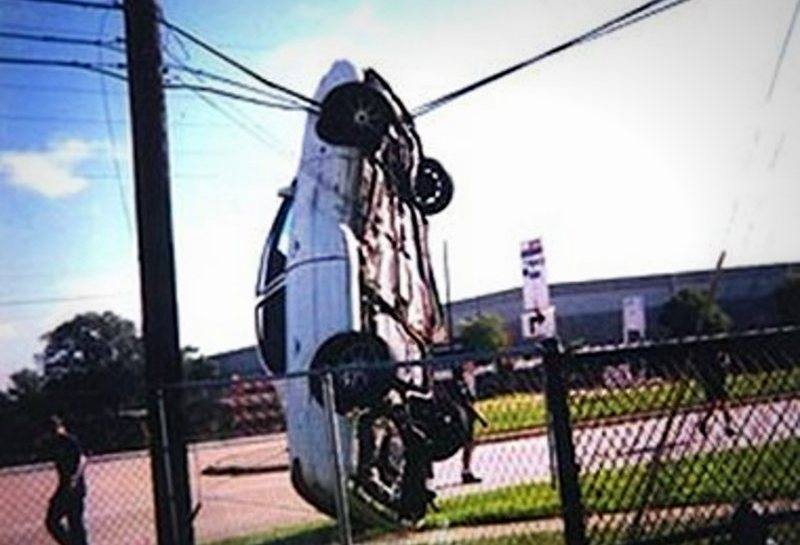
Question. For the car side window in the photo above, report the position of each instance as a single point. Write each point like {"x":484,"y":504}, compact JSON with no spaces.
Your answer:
{"x":276,"y":249}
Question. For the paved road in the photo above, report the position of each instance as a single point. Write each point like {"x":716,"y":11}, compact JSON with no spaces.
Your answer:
{"x":119,"y":508}
{"x":120,"y":512}
{"x":526,"y":460}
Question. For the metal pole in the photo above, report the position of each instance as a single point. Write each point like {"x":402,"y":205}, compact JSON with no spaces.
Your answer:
{"x":157,"y":273}
{"x":561,"y":432}
{"x":340,"y":489}
{"x":447,"y":294}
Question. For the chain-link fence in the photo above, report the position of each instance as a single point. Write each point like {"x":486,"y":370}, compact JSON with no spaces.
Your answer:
{"x":118,"y":502}
{"x":678,"y":442}
{"x":695,"y":441}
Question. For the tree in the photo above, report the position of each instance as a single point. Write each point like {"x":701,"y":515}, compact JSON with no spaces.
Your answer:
{"x":485,"y":333}
{"x":787,"y":300}
{"x":692,"y":312}
{"x":25,"y":384}
{"x":94,"y":363}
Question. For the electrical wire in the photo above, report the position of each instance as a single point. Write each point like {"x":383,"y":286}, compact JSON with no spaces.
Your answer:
{"x":78,"y":3}
{"x":236,"y":96}
{"x":106,"y":70}
{"x":112,"y":141}
{"x":48,"y":300}
{"x":782,"y":54}
{"x":222,"y":79}
{"x":231,"y":113}
{"x":633,"y":20}
{"x":637,"y":14}
{"x":61,"y":63}
{"x":114,"y":44}
{"x":236,"y":64}
{"x":233,"y":119}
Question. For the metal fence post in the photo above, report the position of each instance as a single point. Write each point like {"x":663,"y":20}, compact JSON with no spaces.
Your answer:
{"x":560,"y":433}
{"x":340,"y":489}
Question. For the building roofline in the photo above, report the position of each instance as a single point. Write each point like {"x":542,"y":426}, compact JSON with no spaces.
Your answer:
{"x":232,"y":352}
{"x":579,"y":285}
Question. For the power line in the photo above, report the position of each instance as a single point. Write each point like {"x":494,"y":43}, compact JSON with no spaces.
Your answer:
{"x":232,"y":117}
{"x":782,"y":54}
{"x":235,"y":96}
{"x":112,"y":141}
{"x":222,"y":79}
{"x":49,"y":300}
{"x":54,"y":89}
{"x":77,"y":3}
{"x":236,"y":64}
{"x":105,"y":70}
{"x":645,"y":10}
{"x":633,"y":20}
{"x":96,"y":120}
{"x":230,"y":112}
{"x":61,"y":63}
{"x":113,"y":44}
{"x":73,"y":32}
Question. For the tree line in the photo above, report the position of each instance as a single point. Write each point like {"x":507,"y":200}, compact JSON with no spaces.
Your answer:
{"x":91,"y":373}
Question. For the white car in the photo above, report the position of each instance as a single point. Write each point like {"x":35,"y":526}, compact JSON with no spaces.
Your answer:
{"x":346,"y":278}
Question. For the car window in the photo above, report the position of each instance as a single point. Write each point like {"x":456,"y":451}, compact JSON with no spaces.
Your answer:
{"x":276,"y":249}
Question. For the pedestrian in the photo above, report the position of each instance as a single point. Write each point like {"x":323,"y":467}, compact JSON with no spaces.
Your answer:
{"x":711,"y":371}
{"x":465,"y":381}
{"x":67,"y":501}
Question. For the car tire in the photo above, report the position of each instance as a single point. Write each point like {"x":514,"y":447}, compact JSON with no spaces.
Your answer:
{"x":358,"y":388}
{"x":354,"y":115}
{"x":433,"y":187}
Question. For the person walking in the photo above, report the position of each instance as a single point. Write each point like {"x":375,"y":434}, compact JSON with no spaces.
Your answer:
{"x":711,"y":373}
{"x":67,"y":502}
{"x":465,"y":379}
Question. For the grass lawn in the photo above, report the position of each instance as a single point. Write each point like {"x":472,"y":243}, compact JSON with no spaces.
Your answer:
{"x":300,"y":538}
{"x":700,"y":479}
{"x":771,"y":472}
{"x":519,"y":411}
{"x":317,"y":533}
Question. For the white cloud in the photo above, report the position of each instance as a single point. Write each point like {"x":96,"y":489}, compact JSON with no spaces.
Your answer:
{"x":51,"y":172}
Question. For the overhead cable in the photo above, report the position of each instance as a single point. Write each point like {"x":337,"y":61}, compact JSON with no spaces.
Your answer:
{"x":236,"y":96}
{"x":77,"y":3}
{"x":236,"y":64}
{"x":112,"y":141}
{"x":107,"y":70}
{"x":784,"y":47}
{"x":234,"y":116}
{"x":48,"y":300}
{"x":637,"y":14}
{"x":114,"y":44}
{"x":222,"y":79}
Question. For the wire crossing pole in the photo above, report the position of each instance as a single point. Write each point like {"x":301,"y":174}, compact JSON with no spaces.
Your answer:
{"x":157,"y":273}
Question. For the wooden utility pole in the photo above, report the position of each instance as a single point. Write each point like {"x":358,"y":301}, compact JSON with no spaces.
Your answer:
{"x":157,"y":274}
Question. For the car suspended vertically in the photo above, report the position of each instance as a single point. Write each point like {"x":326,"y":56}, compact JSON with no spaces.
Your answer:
{"x":346,"y":278}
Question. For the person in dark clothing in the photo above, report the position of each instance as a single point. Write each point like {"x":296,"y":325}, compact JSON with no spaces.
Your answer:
{"x":68,"y":499}
{"x":711,"y":375}
{"x":465,"y":381}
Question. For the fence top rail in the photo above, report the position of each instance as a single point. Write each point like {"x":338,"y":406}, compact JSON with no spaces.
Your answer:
{"x":533,"y":349}
{"x":436,"y":362}
{"x":684,"y":342}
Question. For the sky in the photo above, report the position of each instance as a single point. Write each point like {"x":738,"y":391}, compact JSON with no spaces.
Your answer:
{"x":647,"y":151}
